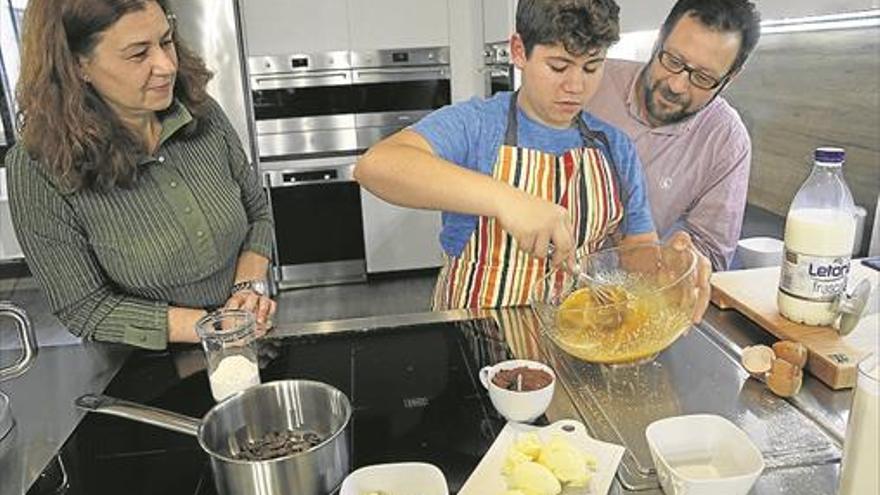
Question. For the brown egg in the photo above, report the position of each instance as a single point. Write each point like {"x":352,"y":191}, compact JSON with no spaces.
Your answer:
{"x":793,"y":352}
{"x":784,"y":378}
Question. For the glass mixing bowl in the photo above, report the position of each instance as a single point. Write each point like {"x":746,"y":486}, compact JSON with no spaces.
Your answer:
{"x":619,"y":305}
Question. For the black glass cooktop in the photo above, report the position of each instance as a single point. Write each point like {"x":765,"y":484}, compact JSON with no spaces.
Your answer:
{"x":414,"y":389}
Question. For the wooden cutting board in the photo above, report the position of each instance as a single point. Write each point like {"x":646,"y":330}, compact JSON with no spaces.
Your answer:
{"x":753,"y":293}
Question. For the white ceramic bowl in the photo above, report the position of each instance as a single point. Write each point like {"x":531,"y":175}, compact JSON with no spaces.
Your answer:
{"x":522,"y":407}
{"x":703,"y":454}
{"x":759,"y":252}
{"x":405,"y":478}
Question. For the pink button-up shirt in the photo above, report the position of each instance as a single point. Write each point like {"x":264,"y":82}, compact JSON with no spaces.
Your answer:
{"x":697,"y":170}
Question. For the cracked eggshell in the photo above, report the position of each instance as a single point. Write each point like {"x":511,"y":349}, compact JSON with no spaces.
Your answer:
{"x":757,"y":360}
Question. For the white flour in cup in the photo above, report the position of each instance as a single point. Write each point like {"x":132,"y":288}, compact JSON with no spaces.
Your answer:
{"x":234,"y":373}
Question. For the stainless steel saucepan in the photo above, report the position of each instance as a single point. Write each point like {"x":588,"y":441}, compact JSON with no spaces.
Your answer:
{"x":255,"y":415}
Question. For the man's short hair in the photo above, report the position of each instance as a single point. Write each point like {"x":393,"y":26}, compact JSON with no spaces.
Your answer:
{"x":582,"y":26}
{"x":721,"y":15}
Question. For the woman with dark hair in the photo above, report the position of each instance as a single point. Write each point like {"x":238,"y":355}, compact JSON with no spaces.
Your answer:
{"x":129,"y":190}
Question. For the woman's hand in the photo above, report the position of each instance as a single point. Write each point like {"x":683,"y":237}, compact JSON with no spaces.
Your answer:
{"x":536,"y":224}
{"x":262,"y":307}
{"x":682,"y":241}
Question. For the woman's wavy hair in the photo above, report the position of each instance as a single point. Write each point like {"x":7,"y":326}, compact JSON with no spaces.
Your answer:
{"x":64,"y":123}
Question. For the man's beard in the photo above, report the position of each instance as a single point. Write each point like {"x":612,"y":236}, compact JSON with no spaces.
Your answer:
{"x":662,"y":114}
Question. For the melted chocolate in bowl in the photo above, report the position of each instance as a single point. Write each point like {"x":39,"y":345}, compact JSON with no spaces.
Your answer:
{"x":532,"y":379}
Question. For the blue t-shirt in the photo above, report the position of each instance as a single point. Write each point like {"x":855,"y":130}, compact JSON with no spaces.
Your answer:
{"x":470,"y":133}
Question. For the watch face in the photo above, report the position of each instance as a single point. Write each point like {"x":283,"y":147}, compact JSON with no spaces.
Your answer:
{"x":260,"y":287}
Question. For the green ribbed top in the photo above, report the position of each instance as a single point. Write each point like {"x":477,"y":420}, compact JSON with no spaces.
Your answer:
{"x":112,"y":262}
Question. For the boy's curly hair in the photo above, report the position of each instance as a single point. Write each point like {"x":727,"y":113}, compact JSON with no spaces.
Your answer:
{"x":582,"y":26}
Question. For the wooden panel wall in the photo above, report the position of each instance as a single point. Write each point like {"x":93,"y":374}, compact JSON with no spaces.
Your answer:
{"x":803,"y":90}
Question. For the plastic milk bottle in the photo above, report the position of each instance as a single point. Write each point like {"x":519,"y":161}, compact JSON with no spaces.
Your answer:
{"x":819,"y":234}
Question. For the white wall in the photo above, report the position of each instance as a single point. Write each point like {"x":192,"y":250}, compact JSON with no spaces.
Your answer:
{"x":639,"y":15}
{"x":640,"y":19}
{"x":780,"y":9}
{"x":499,"y":17}
{"x":466,"y":49}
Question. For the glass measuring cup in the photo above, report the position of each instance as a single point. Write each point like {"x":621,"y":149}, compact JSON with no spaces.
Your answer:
{"x":860,"y":455}
{"x":227,"y":336}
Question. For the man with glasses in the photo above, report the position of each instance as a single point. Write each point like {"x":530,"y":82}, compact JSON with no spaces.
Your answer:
{"x":694,"y":148}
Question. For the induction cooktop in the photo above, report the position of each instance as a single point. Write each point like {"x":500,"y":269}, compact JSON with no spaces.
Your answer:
{"x":414,"y":390}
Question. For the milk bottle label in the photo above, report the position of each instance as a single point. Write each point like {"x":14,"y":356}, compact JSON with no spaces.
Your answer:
{"x":815,"y":278}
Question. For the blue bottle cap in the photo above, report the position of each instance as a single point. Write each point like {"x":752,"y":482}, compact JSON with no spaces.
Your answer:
{"x":830,"y":155}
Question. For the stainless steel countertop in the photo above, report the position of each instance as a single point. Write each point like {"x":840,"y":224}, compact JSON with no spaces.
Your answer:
{"x":42,"y":405}
{"x":42,"y":399}
{"x":827,"y":408}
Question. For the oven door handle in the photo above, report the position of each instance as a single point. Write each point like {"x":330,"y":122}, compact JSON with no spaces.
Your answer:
{"x":286,"y":185}
{"x":295,"y":178}
{"x":302,"y":81}
{"x":366,"y":76}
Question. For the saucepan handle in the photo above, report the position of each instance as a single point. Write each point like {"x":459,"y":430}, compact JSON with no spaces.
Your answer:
{"x":139,"y":412}
{"x":28,"y":341}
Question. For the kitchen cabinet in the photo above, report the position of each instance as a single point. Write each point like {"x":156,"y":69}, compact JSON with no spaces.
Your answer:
{"x":398,"y":238}
{"x":281,"y":27}
{"x":278,"y":27}
{"x":499,"y":20}
{"x":379,"y":24}
{"x":9,"y":247}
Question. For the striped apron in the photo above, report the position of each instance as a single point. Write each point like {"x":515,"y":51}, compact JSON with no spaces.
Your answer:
{"x":491,"y":271}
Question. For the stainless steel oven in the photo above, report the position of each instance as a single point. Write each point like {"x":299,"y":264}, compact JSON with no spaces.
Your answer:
{"x":303,"y":105}
{"x":315,"y":114}
{"x":334,"y":103}
{"x":318,"y":222}
{"x":500,"y":72}
{"x":393,"y":89}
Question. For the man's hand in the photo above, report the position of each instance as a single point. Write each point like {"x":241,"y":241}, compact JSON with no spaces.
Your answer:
{"x":262,"y":307}
{"x":536,"y":224}
{"x":682,"y":241}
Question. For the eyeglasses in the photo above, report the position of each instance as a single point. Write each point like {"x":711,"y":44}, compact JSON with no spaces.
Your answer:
{"x":696,"y":76}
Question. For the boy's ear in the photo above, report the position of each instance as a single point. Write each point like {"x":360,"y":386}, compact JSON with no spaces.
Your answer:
{"x":517,"y":51}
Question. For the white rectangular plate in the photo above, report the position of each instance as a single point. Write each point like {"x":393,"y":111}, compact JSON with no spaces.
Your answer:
{"x":488,"y":480}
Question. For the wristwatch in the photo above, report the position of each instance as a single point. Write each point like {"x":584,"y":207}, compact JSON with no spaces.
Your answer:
{"x":258,"y":287}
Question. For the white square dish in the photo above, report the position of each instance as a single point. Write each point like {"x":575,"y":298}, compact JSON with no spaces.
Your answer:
{"x":703,"y":454}
{"x":404,"y":478}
